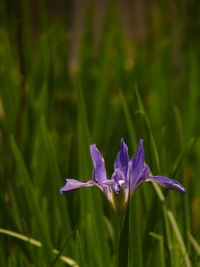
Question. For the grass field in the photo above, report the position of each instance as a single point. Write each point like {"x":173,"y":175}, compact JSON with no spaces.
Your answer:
{"x":51,"y":113}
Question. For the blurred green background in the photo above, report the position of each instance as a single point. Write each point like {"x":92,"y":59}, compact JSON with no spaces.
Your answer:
{"x":74,"y":73}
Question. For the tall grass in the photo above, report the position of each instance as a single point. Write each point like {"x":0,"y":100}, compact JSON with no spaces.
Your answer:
{"x":50,"y":114}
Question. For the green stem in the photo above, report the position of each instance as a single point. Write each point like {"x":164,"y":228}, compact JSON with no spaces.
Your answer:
{"x":122,"y":238}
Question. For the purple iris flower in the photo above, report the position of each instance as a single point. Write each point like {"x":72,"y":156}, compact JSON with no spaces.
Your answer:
{"x":127,"y":175}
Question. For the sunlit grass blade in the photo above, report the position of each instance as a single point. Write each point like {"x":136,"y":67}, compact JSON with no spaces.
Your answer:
{"x":194,"y":243}
{"x":67,"y":76}
{"x":37,"y":243}
{"x":66,"y":243}
{"x":33,"y":202}
{"x":174,"y":226}
{"x":160,"y":256}
{"x":169,"y":214}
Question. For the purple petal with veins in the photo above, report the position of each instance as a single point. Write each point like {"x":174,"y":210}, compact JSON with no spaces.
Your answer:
{"x":167,"y":183}
{"x":99,"y":171}
{"x":122,"y":159}
{"x":72,"y":184}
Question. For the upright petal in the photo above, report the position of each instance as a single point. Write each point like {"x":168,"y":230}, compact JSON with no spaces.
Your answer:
{"x":167,"y":183}
{"x":138,"y":170}
{"x":99,"y":171}
{"x":122,"y":159}
{"x":138,"y":160}
{"x":72,"y":184}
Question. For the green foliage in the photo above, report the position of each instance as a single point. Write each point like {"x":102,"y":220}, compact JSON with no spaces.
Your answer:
{"x":51,"y":113}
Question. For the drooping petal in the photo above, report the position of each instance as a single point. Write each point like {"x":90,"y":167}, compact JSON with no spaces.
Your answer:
{"x":167,"y":183}
{"x":99,"y":171}
{"x":122,"y":159}
{"x":72,"y":184}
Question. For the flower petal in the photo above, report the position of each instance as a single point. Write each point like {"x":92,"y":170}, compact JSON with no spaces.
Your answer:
{"x":144,"y":175}
{"x":99,"y":171}
{"x":138,"y":171}
{"x":138,"y":160}
{"x":167,"y":183}
{"x":122,"y":159}
{"x":118,"y":176}
{"x":72,"y":184}
{"x":109,"y":182}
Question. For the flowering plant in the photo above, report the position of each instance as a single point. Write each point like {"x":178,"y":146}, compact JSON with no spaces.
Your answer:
{"x":128,"y":174}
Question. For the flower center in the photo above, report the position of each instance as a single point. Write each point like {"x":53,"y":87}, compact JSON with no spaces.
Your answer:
{"x":121,"y":182}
